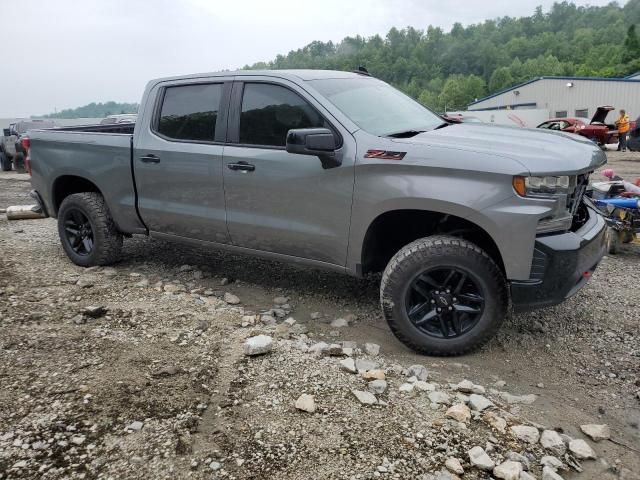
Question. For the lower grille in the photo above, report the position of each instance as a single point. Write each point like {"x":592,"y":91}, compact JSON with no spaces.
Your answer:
{"x":575,"y":199}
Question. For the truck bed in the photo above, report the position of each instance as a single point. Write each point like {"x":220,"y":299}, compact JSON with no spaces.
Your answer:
{"x":100,"y":154}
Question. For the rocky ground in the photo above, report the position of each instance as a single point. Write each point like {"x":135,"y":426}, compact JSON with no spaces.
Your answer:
{"x":151,"y":369}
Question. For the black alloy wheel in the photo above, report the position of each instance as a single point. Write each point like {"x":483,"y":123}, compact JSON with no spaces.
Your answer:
{"x":78,"y":232}
{"x":444,"y":302}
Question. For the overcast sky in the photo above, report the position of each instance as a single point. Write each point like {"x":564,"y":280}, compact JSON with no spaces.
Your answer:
{"x":67,"y":53}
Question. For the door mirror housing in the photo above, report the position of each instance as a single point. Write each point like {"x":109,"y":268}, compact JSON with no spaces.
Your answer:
{"x":319,"y":142}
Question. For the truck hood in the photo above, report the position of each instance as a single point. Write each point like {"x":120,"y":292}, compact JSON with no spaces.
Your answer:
{"x":538,"y":151}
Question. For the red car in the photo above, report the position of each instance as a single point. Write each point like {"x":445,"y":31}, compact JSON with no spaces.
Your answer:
{"x":597,"y":130}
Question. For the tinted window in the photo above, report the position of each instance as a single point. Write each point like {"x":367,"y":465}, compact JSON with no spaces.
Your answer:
{"x":270,"y":111}
{"x":189,"y":112}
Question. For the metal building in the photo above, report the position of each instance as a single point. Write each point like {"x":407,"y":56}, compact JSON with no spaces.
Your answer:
{"x":567,"y":96}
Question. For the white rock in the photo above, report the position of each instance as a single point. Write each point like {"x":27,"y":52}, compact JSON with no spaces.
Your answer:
{"x":526,"y":476}
{"x":135,"y":426}
{"x":551,"y":462}
{"x":364,"y":365}
{"x":377,"y":386}
{"x":467,"y":386}
{"x":517,"y":457}
{"x":290,"y":321}
{"x":439,"y":398}
{"x":366,"y":398}
{"x":424,"y":386}
{"x":79,"y":439}
{"x":215,"y":466}
{"x":454,"y":465}
{"x":306,"y":403}
{"x":459,"y":412}
{"x":258,"y":345}
{"x":339,"y":323}
{"x":406,"y":387}
{"x":518,"y":399}
{"x":318,"y":348}
{"x":550,"y":474}
{"x":479,"y":402}
{"x":231,"y":299}
{"x":418,"y":371}
{"x":349,"y":365}
{"x":479,"y":459}
{"x":372,"y":349}
{"x":508,"y":470}
{"x":596,"y":432}
{"x":525,"y":433}
{"x":581,"y":449}
{"x":552,"y":441}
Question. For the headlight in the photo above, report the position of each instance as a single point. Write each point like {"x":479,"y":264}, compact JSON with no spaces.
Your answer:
{"x":542,"y":186}
{"x":554,"y":188}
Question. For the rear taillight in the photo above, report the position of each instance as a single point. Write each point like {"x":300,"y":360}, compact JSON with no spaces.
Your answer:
{"x":26,"y":144}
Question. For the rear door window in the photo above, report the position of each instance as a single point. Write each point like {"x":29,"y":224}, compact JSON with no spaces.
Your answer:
{"x":189,"y":112}
{"x":270,"y":111}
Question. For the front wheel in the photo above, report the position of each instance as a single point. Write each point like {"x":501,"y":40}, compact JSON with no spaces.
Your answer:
{"x":88,"y":233}
{"x":443,"y":296}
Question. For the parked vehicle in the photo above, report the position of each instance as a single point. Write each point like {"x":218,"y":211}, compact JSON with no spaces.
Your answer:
{"x":633,"y":141}
{"x":339,"y":171}
{"x":619,"y":202}
{"x":11,"y":151}
{"x":459,"y":118}
{"x":596,"y":130}
{"x":120,"y":118}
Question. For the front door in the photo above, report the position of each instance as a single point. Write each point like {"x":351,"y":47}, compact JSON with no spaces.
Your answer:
{"x":178,"y":161}
{"x":277,"y":201}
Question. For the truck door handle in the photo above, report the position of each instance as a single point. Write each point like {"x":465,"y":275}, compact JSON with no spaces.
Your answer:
{"x":241,"y":166}
{"x":150,"y":159}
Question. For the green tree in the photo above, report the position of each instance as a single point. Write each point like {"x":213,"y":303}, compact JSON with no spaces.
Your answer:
{"x":500,"y":79}
{"x":631,"y":45}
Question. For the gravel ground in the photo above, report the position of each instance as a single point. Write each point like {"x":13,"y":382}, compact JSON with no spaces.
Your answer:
{"x":155,"y":383}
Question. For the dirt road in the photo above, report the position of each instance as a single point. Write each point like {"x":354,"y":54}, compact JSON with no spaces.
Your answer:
{"x":154,"y":382}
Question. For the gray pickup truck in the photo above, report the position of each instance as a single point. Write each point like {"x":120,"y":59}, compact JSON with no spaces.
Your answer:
{"x":340,"y":171}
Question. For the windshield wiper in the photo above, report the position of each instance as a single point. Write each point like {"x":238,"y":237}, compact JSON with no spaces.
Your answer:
{"x":405,"y":134}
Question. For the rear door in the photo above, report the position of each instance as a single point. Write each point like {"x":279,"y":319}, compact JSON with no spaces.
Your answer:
{"x":177,"y":159}
{"x":278,"y":201}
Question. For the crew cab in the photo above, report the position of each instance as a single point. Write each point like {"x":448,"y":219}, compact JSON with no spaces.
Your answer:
{"x":339,"y":171}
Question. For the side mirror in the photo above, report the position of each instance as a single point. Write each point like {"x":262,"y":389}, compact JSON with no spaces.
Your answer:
{"x":319,"y":142}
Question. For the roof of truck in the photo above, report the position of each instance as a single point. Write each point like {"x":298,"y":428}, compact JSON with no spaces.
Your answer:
{"x":290,"y":74}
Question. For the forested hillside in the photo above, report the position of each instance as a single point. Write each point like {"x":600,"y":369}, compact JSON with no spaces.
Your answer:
{"x":96,"y":110}
{"x":451,"y":69}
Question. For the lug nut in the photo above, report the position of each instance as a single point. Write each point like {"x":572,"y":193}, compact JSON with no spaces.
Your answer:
{"x":450,"y":308}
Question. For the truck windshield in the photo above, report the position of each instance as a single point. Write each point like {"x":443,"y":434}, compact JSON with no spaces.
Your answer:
{"x":376,"y":107}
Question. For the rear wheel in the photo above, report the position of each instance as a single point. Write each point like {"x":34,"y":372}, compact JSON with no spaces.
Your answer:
{"x":443,"y":296}
{"x":88,"y":234}
{"x":18,"y":162}
{"x":5,"y":163}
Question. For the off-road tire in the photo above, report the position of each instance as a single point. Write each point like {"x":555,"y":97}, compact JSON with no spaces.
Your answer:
{"x":107,"y":240}
{"x":447,"y":251}
{"x":18,"y":163}
{"x":5,"y":163}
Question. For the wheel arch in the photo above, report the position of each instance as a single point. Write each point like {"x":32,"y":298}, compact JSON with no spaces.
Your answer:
{"x":393,"y":229}
{"x":66,"y":185}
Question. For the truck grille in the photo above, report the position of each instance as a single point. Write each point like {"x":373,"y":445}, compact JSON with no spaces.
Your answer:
{"x":579,"y":212}
{"x":575,"y":199}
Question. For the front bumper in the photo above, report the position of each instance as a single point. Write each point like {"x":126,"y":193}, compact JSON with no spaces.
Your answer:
{"x":562,"y":265}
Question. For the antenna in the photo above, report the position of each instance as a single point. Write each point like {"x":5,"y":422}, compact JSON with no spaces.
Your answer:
{"x":362,"y":70}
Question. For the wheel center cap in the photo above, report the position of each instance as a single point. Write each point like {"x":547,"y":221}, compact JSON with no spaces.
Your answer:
{"x":443,"y":300}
